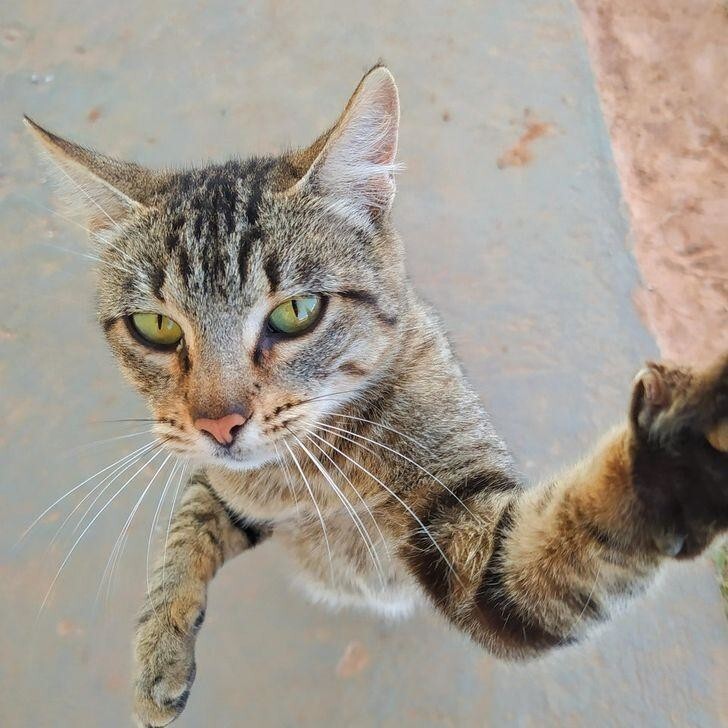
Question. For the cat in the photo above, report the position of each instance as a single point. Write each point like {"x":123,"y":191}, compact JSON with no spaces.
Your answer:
{"x":262,"y":309}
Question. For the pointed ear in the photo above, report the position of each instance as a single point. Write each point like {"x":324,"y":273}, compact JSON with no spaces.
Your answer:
{"x":354,"y":162}
{"x":105,"y":190}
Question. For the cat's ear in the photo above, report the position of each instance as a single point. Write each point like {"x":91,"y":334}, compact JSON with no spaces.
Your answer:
{"x":105,"y":190}
{"x":353,"y":163}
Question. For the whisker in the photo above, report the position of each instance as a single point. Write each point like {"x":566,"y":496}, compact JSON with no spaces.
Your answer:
{"x":91,"y":523}
{"x":424,"y":528}
{"x":70,"y":251}
{"x":318,"y":510}
{"x":366,"y":538}
{"x":122,"y":547}
{"x":89,"y":256}
{"x":110,"y":439}
{"x":128,"y":419}
{"x":287,"y":475}
{"x":353,"y":487}
{"x":70,"y":492}
{"x":123,"y":536}
{"x":385,"y":427}
{"x":588,"y":599}
{"x":326,"y":396}
{"x":116,"y":473}
{"x":86,"y":230}
{"x":408,"y":459}
{"x":170,"y":477}
{"x":105,"y":488}
{"x":112,"y":561}
{"x":169,"y":525}
{"x":65,"y":218}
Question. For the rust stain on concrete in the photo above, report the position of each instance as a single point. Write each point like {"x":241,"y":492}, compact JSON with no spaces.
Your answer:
{"x":521,"y":152}
{"x":661,"y":69}
{"x":68,"y":628}
{"x":354,"y":660}
{"x":93,"y":115}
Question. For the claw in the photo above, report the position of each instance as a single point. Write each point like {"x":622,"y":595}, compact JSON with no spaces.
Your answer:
{"x":656,"y":393}
{"x":718,"y":436}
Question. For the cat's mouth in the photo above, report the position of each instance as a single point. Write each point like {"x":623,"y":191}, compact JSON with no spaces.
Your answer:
{"x":243,"y":459}
{"x":246,"y":450}
{"x":242,"y":443}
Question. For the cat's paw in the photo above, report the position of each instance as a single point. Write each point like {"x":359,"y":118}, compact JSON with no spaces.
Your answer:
{"x":165,"y":671}
{"x":680,"y":461}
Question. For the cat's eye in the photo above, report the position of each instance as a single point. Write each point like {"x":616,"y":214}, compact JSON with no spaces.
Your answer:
{"x":157,"y":330}
{"x":295,"y":315}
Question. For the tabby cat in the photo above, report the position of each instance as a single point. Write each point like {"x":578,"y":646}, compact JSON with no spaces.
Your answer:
{"x":263,"y":310}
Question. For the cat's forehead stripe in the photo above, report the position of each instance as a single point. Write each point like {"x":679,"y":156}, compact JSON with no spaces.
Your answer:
{"x":213,"y":228}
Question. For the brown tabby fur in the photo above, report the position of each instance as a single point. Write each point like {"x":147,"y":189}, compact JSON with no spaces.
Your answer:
{"x":370,"y":402}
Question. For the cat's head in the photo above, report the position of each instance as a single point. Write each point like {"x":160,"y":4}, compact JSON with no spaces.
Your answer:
{"x":249,"y":299}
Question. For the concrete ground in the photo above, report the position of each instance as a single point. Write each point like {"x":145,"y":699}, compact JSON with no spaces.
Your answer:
{"x":515,"y":228}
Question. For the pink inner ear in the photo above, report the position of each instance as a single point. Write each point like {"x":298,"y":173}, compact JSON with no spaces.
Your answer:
{"x":384,"y":155}
{"x":386,"y":150}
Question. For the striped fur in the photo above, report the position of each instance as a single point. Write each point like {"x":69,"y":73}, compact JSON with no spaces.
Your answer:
{"x":367,"y":454}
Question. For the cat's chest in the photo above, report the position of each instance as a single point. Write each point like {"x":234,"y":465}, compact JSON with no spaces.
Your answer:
{"x":340,"y":562}
{"x":273,"y":496}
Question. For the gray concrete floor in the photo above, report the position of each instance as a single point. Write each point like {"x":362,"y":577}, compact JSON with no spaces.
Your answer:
{"x":528,"y":262}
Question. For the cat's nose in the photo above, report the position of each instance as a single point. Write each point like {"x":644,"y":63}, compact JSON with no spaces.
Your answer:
{"x":223,"y":429}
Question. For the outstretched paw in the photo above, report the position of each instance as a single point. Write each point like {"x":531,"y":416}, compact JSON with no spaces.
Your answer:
{"x":680,"y":464}
{"x":165,"y":673}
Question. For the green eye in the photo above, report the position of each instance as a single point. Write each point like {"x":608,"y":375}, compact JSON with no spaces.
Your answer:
{"x":295,"y":315}
{"x":156,"y":329}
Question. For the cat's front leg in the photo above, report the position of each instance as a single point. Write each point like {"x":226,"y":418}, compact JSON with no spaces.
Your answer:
{"x":203,"y":535}
{"x":541,"y":567}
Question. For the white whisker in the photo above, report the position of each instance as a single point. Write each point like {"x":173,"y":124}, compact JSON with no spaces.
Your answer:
{"x":80,"y":187}
{"x":385,"y":427}
{"x":89,"y":256}
{"x":588,"y":599}
{"x":123,"y":536}
{"x":113,"y":475}
{"x":353,"y":487}
{"x":318,"y":510}
{"x":103,"y":490}
{"x":182,"y":472}
{"x":78,"y":253}
{"x":110,"y":439}
{"x":170,"y":477}
{"x":424,"y":528}
{"x":366,"y":538}
{"x":404,"y":457}
{"x":73,"y":490}
{"x":65,"y":218}
{"x":112,"y":561}
{"x":289,"y":481}
{"x":91,"y":523}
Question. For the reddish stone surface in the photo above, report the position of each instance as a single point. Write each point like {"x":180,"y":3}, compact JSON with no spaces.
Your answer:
{"x":662,"y":70}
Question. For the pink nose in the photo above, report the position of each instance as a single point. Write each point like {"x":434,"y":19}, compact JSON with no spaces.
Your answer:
{"x":222,"y":429}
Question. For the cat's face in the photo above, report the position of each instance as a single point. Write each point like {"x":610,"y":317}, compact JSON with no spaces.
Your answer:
{"x":281,"y":313}
{"x":246,"y":301}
